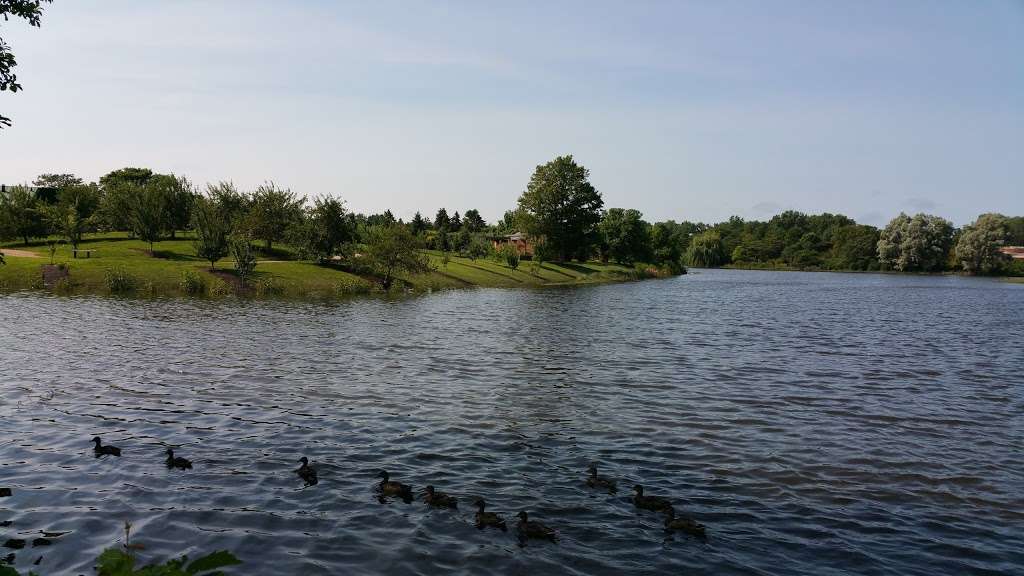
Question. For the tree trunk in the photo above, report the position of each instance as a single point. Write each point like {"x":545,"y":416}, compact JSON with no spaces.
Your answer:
{"x":26,"y":240}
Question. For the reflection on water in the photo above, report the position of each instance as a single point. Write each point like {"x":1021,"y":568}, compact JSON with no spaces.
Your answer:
{"x":816,"y":423}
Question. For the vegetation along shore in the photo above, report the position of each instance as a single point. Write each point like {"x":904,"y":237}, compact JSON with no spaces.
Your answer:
{"x":149,"y":234}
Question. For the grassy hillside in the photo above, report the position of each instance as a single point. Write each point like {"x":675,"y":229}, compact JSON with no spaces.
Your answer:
{"x":278,"y":274}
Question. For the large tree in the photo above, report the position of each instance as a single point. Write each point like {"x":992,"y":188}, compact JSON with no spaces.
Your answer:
{"x":32,"y":11}
{"x":120,"y":189}
{"x":977,"y":248}
{"x":324,"y":230}
{"x":625,"y":235}
{"x":473,"y":221}
{"x":915,"y":244}
{"x":149,"y":211}
{"x":75,"y":211}
{"x":563,"y":208}
{"x":180,"y":194}
{"x":23,"y":213}
{"x":418,"y":224}
{"x":854,"y":247}
{"x":706,"y":250}
{"x":271,"y":211}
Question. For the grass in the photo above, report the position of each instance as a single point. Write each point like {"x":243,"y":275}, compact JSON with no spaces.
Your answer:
{"x":123,"y":265}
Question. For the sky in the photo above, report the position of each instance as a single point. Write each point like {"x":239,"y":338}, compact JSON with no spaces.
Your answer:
{"x":684,"y":110}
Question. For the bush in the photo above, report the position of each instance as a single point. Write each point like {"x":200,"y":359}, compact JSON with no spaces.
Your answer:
{"x":268,"y":287}
{"x":219,"y":287}
{"x":119,"y":280}
{"x":192,"y":283}
{"x":245,"y":257}
{"x":352,"y":285}
{"x":509,"y":254}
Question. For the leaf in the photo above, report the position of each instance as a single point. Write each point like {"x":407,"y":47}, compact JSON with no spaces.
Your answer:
{"x":114,"y":562}
{"x":218,"y":559}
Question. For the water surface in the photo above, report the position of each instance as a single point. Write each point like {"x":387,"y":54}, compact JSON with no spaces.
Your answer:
{"x":816,"y":423}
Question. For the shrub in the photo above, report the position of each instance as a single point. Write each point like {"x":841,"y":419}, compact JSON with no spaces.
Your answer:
{"x":510,"y":255}
{"x":119,"y":280}
{"x":245,"y":257}
{"x":352,"y":285}
{"x":219,"y":287}
{"x":192,"y":283}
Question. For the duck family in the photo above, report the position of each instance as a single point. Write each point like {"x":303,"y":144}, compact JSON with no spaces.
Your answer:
{"x":526,"y":529}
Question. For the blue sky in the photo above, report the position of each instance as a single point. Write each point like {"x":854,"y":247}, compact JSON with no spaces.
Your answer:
{"x":684,"y":110}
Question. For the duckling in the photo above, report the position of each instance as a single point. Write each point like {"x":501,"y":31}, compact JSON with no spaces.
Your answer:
{"x":655,"y":503}
{"x":485,"y":519}
{"x":527,"y":529}
{"x":595,"y":481}
{"x":683,"y":524}
{"x":440,"y":499}
{"x":105,"y":450}
{"x":178,"y":462}
{"x":307,"y":472}
{"x":390,"y":488}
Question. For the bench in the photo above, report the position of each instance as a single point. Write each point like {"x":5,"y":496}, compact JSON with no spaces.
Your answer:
{"x":88,"y":253}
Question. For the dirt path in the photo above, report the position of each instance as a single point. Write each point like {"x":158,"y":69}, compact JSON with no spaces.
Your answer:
{"x":19,"y":253}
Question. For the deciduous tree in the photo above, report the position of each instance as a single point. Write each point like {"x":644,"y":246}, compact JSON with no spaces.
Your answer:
{"x":562,"y":207}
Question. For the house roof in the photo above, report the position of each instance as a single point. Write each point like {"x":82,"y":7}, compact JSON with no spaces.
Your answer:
{"x":1015,"y":252}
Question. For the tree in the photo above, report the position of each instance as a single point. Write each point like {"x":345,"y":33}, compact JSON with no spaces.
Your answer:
{"x":56,"y":181}
{"x":510,"y":254}
{"x":32,"y":11}
{"x":244,"y":256}
{"x":977,"y":248}
{"x":854,"y":247}
{"x":23,"y":213}
{"x":562,"y":207}
{"x":706,"y":250}
{"x":391,"y":250}
{"x":149,"y":211}
{"x":120,"y":189}
{"x":232,"y":205}
{"x":324,"y":230}
{"x":456,"y":222}
{"x":271,"y":211}
{"x":180,"y":195}
{"x":626,"y":235}
{"x":74,"y":212}
{"x":418,"y":224}
{"x":473,"y":221}
{"x":441,"y":220}
{"x":211,"y":241}
{"x":478,"y":247}
{"x":918,"y":243}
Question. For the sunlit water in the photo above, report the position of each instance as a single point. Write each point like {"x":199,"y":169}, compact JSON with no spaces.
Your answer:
{"x":816,"y":423}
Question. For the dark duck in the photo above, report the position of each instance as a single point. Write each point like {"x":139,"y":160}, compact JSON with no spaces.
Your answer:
{"x":439,"y":499}
{"x":389,"y":487}
{"x":655,"y":503}
{"x":528,"y":529}
{"x":485,"y":518}
{"x":602,"y":482}
{"x":307,"y":472}
{"x":683,"y":524}
{"x":101,"y":450}
{"x":177,"y":462}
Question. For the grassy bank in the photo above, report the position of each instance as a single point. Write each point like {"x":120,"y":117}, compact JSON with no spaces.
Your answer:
{"x":123,"y":264}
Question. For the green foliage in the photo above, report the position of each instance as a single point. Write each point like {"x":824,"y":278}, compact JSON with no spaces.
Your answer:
{"x":509,"y":254}
{"x":219,"y":287}
{"x":478,"y":247}
{"x":115,"y":562}
{"x":272,"y":211}
{"x":192,"y":283}
{"x":232,"y":205}
{"x":625,"y":236}
{"x":23,"y":215}
{"x":120,"y":188}
{"x":148,"y":210}
{"x":211,"y":231}
{"x":32,"y":11}
{"x":977,"y":248}
{"x":243,"y":255}
{"x":706,"y":250}
{"x":915,"y":244}
{"x":323,"y":231}
{"x":179,"y":198}
{"x":418,"y":225}
{"x":854,"y":247}
{"x":562,"y":207}
{"x":74,"y":213}
{"x":473,"y":222}
{"x":119,"y":280}
{"x":391,"y":250}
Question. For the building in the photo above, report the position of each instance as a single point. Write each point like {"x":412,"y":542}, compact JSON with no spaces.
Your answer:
{"x":1015,"y":252}
{"x":517,"y":239}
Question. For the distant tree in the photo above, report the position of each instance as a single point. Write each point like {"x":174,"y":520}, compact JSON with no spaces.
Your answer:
{"x":149,"y":211}
{"x":75,"y":212}
{"x":561,"y":206}
{"x":120,"y":189}
{"x":23,"y":214}
{"x":441,"y":220}
{"x":178,"y":203}
{"x":507,"y":224}
{"x":324,"y":231}
{"x":56,"y":181}
{"x":669,"y":242}
{"x":478,"y":247}
{"x":32,"y":11}
{"x":232,"y":205}
{"x":418,"y":225}
{"x":271,"y":211}
{"x":243,"y":254}
{"x":918,"y":243}
{"x":473,"y":221}
{"x":391,"y":250}
{"x":854,"y":247}
{"x":462,"y":239}
{"x":706,"y":250}
{"x":977,"y":248}
{"x":456,"y":222}
{"x":211,"y":241}
{"x":625,"y":234}
{"x":1015,"y":231}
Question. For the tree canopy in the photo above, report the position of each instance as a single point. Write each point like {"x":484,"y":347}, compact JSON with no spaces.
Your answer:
{"x":562,"y":208}
{"x":31,"y":11}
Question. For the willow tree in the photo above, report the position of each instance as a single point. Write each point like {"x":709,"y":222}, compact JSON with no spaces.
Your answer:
{"x":706,"y":250}
{"x":978,"y":247}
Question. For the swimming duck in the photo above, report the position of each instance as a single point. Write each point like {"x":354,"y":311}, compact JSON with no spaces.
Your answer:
{"x":178,"y":462}
{"x":527,"y":529}
{"x":656,"y":503}
{"x":595,"y":481}
{"x":485,"y":519}
{"x":683,"y":524}
{"x":307,"y":472}
{"x":105,"y":450}
{"x":390,"y":488}
{"x":440,"y":499}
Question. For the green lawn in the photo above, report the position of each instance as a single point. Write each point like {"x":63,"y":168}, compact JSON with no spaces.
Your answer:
{"x":277,"y":274}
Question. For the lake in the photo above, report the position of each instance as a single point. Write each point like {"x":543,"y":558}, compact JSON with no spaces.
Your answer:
{"x":817,"y":424}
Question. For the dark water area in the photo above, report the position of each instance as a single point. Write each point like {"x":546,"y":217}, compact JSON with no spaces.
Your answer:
{"x":817,"y":424}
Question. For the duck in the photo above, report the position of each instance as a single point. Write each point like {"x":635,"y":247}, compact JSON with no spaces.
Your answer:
{"x":101,"y":450}
{"x":595,"y":481}
{"x":485,"y":519}
{"x":440,"y":499}
{"x":307,"y":472}
{"x":178,"y":462}
{"x":683,"y":524}
{"x":655,"y":503}
{"x":527,"y":529}
{"x":388,"y":487}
